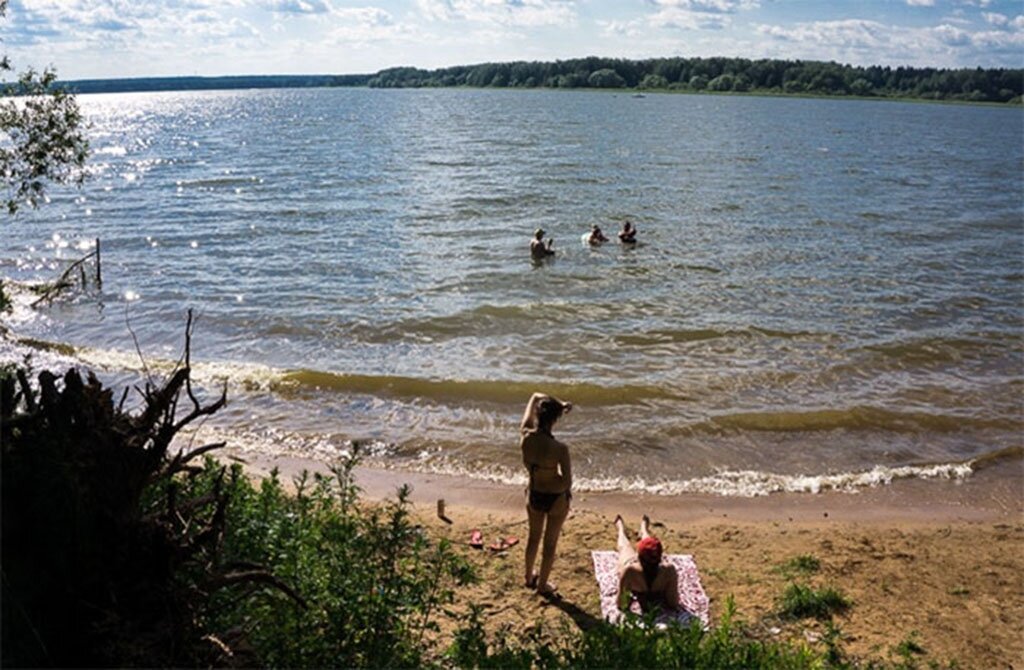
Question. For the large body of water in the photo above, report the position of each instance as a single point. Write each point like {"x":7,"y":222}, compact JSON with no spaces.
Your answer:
{"x":826,"y":292}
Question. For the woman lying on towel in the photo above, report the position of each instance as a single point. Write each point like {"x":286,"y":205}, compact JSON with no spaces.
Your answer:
{"x":642,"y":575}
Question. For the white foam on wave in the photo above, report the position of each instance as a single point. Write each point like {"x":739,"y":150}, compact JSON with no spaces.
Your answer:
{"x":21,"y":295}
{"x":753,"y":483}
{"x":729,"y":483}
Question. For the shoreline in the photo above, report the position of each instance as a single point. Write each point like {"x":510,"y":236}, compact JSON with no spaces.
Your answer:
{"x":987,"y":495}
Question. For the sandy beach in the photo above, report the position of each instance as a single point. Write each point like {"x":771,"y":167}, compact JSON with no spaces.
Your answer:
{"x":937,"y":563}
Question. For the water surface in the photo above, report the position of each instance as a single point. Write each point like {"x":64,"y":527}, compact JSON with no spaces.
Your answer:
{"x":822,"y":288}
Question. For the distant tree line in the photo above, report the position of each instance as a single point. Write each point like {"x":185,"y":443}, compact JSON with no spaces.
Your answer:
{"x":212,"y":83}
{"x":723,"y":74}
{"x":738,"y":75}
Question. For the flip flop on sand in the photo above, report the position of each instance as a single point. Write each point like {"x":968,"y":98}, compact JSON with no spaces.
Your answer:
{"x":476,"y":539}
{"x":503,"y":544}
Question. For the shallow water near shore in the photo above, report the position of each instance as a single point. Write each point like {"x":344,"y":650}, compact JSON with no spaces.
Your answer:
{"x":827,"y":293}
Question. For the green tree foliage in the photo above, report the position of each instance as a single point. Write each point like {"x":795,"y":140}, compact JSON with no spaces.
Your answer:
{"x":605,"y":78}
{"x":724,"y":74}
{"x":654,"y":81}
{"x":42,"y":140}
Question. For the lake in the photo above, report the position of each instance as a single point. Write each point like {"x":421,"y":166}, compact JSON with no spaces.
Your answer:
{"x":826,"y":293}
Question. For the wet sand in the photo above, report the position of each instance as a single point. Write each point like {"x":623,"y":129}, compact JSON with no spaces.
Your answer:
{"x":938,"y":562}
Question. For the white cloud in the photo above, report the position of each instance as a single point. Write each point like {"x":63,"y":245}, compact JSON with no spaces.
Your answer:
{"x":865,"y":42}
{"x":952,"y":35}
{"x":684,"y":15}
{"x":709,"y":6}
{"x":995,"y":19}
{"x":501,"y":12}
{"x":921,"y":3}
{"x":298,"y":6}
{"x":371,"y":24}
{"x":682,"y":19}
{"x":847,"y":33}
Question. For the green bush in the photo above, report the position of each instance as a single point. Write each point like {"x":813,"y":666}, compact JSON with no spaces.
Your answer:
{"x":636,"y":643}
{"x":120,"y":552}
{"x":801,"y":601}
{"x":370,"y":582}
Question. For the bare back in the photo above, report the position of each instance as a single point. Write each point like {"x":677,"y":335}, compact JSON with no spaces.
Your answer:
{"x":663,"y":592}
{"x":547,"y":460}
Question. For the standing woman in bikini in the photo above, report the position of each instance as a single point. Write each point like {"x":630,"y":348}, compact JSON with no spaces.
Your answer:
{"x":547,"y":462}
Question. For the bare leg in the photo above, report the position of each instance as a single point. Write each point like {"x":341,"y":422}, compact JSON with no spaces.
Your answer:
{"x":625,"y":547}
{"x":533,"y":542}
{"x":622,"y":541}
{"x":644,"y":527}
{"x":556,"y":517}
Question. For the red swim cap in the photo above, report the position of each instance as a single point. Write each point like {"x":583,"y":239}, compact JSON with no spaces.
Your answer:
{"x":649,"y":550}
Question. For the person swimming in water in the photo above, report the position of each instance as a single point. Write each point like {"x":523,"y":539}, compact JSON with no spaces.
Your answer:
{"x":642,"y":574}
{"x":538,"y":248}
{"x":628,"y":233}
{"x":596,"y":236}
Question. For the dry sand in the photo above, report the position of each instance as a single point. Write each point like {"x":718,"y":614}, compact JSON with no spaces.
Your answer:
{"x":940,"y":562}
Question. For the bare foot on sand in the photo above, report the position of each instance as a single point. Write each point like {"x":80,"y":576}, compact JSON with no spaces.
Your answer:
{"x":549,"y":590}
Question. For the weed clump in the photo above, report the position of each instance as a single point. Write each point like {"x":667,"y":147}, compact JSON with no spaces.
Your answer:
{"x":802,"y":601}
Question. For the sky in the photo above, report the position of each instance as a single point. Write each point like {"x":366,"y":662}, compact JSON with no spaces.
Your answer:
{"x":135,"y":38}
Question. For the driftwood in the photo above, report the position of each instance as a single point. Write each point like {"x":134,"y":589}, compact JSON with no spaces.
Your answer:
{"x":93,"y":574}
{"x":54,"y":289}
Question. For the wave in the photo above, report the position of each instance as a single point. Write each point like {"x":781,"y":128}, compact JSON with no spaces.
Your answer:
{"x":668,"y":336}
{"x":212,"y":182}
{"x":496,"y":391}
{"x":726,"y":483}
{"x":929,"y":350}
{"x":853,"y":418}
{"x":257,"y":377}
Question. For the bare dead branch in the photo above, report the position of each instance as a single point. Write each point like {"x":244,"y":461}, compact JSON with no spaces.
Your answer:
{"x":62,"y":282}
{"x":258,"y":577}
{"x":138,"y":349}
{"x":26,"y":390}
{"x":181,"y":459}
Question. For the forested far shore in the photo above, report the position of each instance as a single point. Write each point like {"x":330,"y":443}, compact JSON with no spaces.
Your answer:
{"x":142,"y":84}
{"x":724,"y":75}
{"x":734,"y":75}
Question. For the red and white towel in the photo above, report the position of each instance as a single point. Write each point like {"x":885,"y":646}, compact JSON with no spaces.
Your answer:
{"x":692,"y":598}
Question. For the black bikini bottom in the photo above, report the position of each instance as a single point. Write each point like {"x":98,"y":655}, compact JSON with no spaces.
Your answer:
{"x":543,"y":502}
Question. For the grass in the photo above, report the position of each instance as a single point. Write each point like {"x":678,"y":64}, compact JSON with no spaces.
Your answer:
{"x":801,"y":601}
{"x":804,"y":564}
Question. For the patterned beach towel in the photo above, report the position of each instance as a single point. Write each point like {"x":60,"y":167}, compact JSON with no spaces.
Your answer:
{"x":691,"y":594}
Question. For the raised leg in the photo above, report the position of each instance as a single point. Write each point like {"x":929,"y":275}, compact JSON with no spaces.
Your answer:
{"x":645,"y":524}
